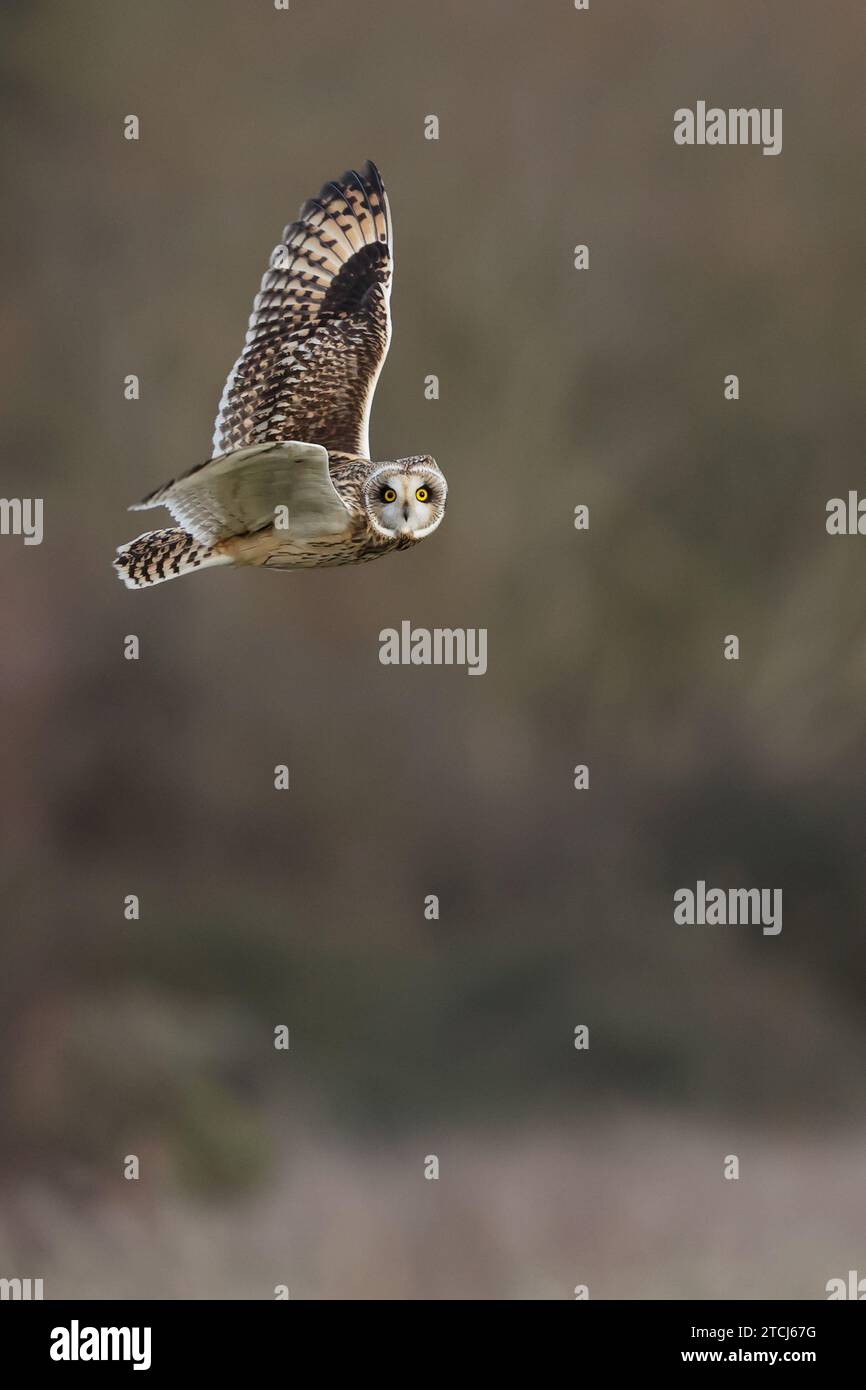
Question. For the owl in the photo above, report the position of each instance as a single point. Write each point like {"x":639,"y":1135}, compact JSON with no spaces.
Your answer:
{"x":291,"y":484}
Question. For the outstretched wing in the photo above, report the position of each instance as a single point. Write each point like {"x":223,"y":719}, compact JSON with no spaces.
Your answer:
{"x":239,"y":493}
{"x":320,"y":326}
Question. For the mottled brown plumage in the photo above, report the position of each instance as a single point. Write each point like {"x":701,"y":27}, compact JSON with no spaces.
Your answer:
{"x":320,"y":326}
{"x":290,"y":484}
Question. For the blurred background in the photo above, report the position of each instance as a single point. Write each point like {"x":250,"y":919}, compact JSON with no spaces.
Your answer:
{"x":453,"y":1037}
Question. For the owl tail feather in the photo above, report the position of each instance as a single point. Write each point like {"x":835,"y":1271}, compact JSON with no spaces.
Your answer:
{"x":160,"y":555}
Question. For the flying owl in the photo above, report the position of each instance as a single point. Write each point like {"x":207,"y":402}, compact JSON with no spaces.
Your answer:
{"x":290,"y":484}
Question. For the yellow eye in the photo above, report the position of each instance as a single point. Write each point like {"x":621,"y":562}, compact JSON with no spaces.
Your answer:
{"x":389,"y":494}
{"x":422,"y":494}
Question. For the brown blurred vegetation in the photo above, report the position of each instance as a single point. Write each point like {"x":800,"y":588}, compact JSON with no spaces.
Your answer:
{"x":605,"y":387}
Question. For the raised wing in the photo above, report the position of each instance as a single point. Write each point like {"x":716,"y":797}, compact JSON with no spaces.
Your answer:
{"x":240,"y":493}
{"x":320,"y":326}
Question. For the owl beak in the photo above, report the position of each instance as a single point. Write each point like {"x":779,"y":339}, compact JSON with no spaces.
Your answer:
{"x":405,"y":511}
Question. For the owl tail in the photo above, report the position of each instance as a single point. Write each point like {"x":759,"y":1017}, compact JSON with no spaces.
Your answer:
{"x":160,"y":555}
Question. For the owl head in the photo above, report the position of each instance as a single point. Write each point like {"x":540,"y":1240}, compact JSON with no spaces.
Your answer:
{"x":406,"y":499}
